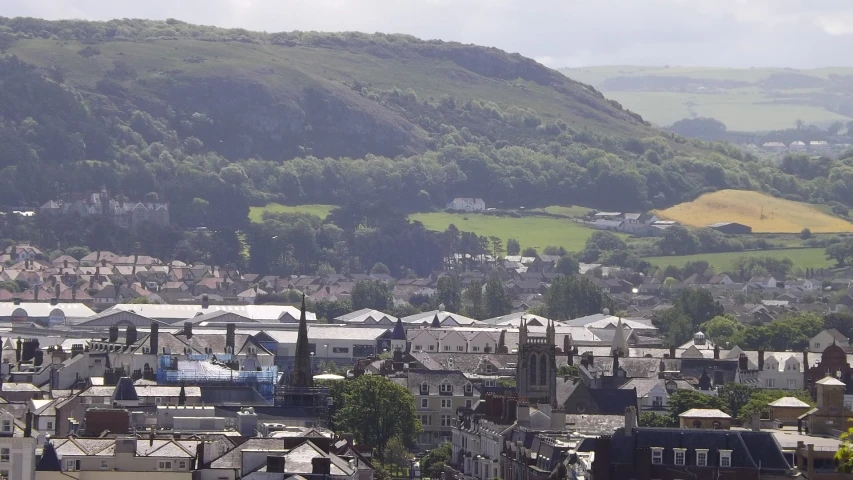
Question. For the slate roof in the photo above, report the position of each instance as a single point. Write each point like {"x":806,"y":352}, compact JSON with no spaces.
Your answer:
{"x":434,"y":378}
{"x":748,"y":448}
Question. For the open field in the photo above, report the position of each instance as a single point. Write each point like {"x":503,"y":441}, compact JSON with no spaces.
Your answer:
{"x":572,"y":211}
{"x":256,"y":213}
{"x":802,"y":258}
{"x":764,"y":213}
{"x":747,"y":100}
{"x":537,"y":232}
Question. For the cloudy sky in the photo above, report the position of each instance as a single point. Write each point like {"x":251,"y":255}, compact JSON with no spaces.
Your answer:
{"x":737,"y":33}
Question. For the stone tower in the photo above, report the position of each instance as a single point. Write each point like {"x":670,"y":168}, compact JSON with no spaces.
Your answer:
{"x":302,"y":375}
{"x":536,"y":367}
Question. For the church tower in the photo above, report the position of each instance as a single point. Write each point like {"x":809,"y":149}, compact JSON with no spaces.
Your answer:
{"x":302,"y":375}
{"x":536,"y":367}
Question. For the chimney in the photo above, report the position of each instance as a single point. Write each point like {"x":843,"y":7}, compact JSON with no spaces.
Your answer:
{"x":36,"y":292}
{"x":188,"y":330}
{"x":615,"y":372}
{"x":761,"y":358}
{"x":76,"y":349}
{"x":16,"y":301}
{"x":523,"y":415}
{"x":130,"y":335}
{"x":806,"y":365}
{"x":630,"y":420}
{"x":742,"y":362}
{"x":716,"y":352}
{"x":154,"y":340}
{"x":28,"y":427}
{"x":558,"y":418}
{"x":151,"y":437}
{"x":199,"y":455}
{"x":672,"y":351}
{"x":113,"y":335}
{"x":321,"y":466}
{"x":229,"y":337}
{"x":205,"y":301}
{"x":755,"y":421}
{"x":54,"y":300}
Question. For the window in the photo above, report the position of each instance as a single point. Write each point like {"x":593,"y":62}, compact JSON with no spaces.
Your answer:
{"x":657,"y":401}
{"x":424,"y":389}
{"x":657,"y":456}
{"x":490,"y":368}
{"x":50,"y":425}
{"x":490,"y":383}
{"x":164,"y":465}
{"x":182,"y":465}
{"x":679,"y":455}
{"x":445,"y":403}
{"x":468,"y":403}
{"x":105,"y":464}
{"x":4,"y":474}
{"x":446,"y":388}
{"x":426,"y":419}
{"x":701,"y":458}
{"x":725,"y":458}
{"x":158,"y":400}
{"x":446,"y":420}
{"x":447,"y":348}
{"x":340,"y":349}
{"x":469,"y":388}
{"x":476,"y":349}
{"x":419,"y":347}
{"x":6,"y":426}
{"x":792,"y":384}
{"x":72,"y":465}
{"x":4,"y":455}
{"x":431,"y":348}
{"x":816,"y":345}
{"x":771,"y":382}
{"x":424,"y":403}
{"x":460,"y":348}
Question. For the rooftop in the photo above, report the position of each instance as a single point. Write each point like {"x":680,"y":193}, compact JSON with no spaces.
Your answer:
{"x":705,"y":413}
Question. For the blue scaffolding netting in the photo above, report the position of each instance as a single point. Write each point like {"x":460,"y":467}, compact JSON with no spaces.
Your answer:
{"x":200,"y":370}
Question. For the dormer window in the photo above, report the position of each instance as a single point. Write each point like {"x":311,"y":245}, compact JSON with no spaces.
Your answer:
{"x":679,"y":454}
{"x":725,"y":458}
{"x":701,"y":458}
{"x":657,"y":455}
{"x":469,"y":388}
{"x":6,"y":425}
{"x":446,"y":388}
{"x":424,"y":389}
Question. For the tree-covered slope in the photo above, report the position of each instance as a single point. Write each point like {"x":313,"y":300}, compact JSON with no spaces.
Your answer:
{"x":213,"y":119}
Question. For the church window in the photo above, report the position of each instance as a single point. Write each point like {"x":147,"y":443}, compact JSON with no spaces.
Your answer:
{"x":543,"y":369}
{"x":532,"y":367}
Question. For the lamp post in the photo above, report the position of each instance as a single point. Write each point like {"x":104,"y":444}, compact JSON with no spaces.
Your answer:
{"x":312,"y":364}
{"x":326,"y":360}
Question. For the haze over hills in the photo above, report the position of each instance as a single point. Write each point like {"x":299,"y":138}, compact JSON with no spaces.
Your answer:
{"x":213,"y":120}
{"x":745,"y":100}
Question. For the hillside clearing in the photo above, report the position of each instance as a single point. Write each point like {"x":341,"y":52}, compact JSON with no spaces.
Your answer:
{"x":722,"y":262}
{"x":537,"y":232}
{"x":762,"y":212}
{"x":256,"y":213}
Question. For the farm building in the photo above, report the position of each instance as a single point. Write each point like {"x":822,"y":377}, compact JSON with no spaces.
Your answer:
{"x":731,"y":228}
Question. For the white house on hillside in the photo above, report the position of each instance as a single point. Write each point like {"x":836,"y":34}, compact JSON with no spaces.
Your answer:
{"x":461,"y":204}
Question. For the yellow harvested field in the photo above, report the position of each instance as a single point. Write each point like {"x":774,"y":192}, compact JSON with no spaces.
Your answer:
{"x":762,"y":212}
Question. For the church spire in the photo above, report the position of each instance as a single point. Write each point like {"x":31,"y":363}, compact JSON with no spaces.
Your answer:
{"x":620,"y":342}
{"x":302,"y":375}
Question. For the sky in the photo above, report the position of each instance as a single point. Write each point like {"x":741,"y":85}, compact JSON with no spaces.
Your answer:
{"x":558,"y":33}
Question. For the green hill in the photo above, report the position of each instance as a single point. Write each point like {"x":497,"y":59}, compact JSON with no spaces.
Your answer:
{"x":215,"y":120}
{"x":745,"y":100}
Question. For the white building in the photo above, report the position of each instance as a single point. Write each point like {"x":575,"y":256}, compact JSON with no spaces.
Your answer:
{"x":461,"y":204}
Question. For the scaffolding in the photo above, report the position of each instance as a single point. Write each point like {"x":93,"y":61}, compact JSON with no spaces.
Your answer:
{"x":200,"y":370}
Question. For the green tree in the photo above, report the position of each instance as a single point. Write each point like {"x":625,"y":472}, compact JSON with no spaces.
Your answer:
{"x":497,"y":246}
{"x":806,"y":234}
{"x":529,"y":252}
{"x":376,"y":409}
{"x":841,"y":321}
{"x":432,"y":465}
{"x":379,"y":268}
{"x":683,"y":400}
{"x":656,"y":420}
{"x":11,"y":287}
{"x":77,"y":252}
{"x":373,"y":294}
{"x":604,"y":241}
{"x":677,"y":240}
{"x":841,"y":252}
{"x":475,"y":304}
{"x":723,"y":330}
{"x":674,"y":325}
{"x":698,"y":304}
{"x":512,"y":246}
{"x":395,"y":454}
{"x":448,"y":292}
{"x":844,"y":455}
{"x":735,"y":396}
{"x":760,"y":399}
{"x":567,"y":265}
{"x":573,"y":297}
{"x":496,"y":300}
